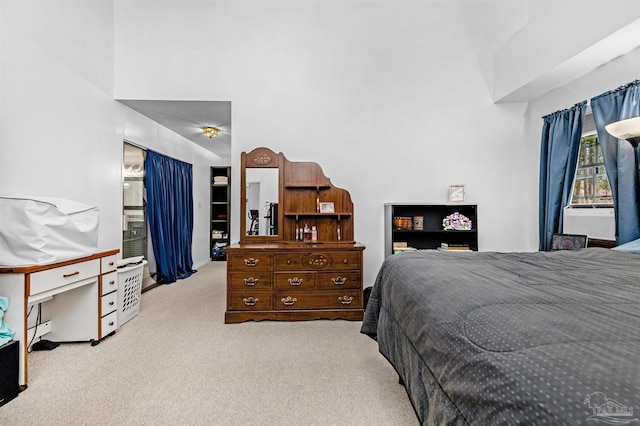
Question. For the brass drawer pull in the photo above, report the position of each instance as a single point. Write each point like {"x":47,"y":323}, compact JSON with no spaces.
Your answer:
{"x":112,"y":282}
{"x":345,"y":261}
{"x":295,"y":281}
{"x":345,"y":300}
{"x":111,"y":303}
{"x":251,"y":281}
{"x":288,"y":301}
{"x":250,"y":301}
{"x":339,"y":280}
{"x":71,"y":274}
{"x":111,"y":323}
{"x":251,"y":261}
{"x":111,"y":263}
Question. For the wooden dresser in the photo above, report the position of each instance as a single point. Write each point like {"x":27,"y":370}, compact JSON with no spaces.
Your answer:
{"x":294,"y":282}
{"x":278,"y":274}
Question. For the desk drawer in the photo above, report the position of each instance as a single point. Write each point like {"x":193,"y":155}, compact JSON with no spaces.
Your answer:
{"x":57,"y":277}
{"x":109,"y":283}
{"x":108,"y":264}
{"x":108,"y":324}
{"x":108,"y":303}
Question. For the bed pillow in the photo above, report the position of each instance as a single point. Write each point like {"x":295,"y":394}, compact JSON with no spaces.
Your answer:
{"x":632,"y":247}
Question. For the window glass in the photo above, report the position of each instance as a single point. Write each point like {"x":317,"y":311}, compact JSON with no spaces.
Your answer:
{"x":134,"y":206}
{"x":591,"y":185}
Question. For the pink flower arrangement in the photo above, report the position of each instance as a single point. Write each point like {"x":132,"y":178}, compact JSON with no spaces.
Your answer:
{"x":456,"y":222}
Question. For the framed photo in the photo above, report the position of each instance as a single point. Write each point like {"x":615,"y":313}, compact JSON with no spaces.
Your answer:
{"x":568,"y":242}
{"x":326,"y":207}
{"x":456,"y":193}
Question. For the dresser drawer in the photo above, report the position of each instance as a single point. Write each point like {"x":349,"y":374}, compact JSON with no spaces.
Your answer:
{"x":108,"y":303}
{"x":249,"y":261}
{"x":346,"y":260}
{"x":339,"y":280}
{"x":248,"y":280}
{"x":249,"y":301}
{"x":295,"y":280}
{"x":108,"y":264}
{"x":62,"y":275}
{"x":348,"y":299}
{"x":317,"y":261}
{"x":302,"y":261}
{"x":109,"y":283}
{"x":108,"y":324}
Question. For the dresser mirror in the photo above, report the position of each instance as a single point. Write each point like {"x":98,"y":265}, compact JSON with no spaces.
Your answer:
{"x":260,"y":194}
{"x":261,"y":202}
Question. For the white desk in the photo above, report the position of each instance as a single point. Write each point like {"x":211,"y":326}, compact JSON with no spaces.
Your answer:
{"x":78,"y":299}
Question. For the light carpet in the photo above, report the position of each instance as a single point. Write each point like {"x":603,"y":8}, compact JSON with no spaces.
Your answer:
{"x":177,"y":363}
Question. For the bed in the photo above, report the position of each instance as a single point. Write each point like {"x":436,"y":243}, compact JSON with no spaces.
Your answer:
{"x":512,"y":338}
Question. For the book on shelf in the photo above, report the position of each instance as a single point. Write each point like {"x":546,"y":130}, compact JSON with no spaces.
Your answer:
{"x":404,"y":249}
{"x":452,"y":247}
{"x":402,"y":246}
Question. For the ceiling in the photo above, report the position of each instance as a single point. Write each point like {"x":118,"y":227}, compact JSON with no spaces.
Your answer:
{"x":187,"y":118}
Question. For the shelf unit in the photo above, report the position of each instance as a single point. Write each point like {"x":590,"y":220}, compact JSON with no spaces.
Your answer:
{"x":432,"y":235}
{"x":305,"y":188}
{"x":220,"y":211}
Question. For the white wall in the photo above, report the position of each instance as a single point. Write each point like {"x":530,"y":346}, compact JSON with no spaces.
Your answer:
{"x":390,"y":98}
{"x":61,"y":132}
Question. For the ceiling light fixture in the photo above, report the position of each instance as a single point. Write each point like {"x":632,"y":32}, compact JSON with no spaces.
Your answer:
{"x":211,"y":131}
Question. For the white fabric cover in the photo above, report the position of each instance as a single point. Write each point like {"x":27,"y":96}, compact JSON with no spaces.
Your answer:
{"x":35,"y":231}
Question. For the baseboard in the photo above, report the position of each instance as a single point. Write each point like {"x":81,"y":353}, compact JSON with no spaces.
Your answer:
{"x":200,"y":264}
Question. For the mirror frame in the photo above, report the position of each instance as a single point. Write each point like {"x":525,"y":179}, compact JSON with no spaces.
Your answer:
{"x":260,"y":158}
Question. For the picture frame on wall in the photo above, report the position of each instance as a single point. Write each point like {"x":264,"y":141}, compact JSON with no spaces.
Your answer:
{"x":327,"y":207}
{"x":456,"y":193}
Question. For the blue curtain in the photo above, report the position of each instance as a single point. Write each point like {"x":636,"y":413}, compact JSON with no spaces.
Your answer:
{"x":169,"y":185}
{"x":561,"y":132}
{"x":612,"y":106}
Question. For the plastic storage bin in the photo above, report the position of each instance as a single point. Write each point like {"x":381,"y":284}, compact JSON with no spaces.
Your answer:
{"x":129,"y":288}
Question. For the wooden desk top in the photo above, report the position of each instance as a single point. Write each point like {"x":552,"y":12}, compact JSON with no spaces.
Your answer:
{"x":36,"y":268}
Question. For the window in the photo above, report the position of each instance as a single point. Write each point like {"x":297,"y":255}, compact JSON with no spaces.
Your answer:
{"x":591,"y":185}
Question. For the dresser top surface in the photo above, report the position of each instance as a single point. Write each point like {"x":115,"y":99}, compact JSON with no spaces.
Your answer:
{"x":295,"y":245}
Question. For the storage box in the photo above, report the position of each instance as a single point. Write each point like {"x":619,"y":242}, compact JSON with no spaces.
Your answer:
{"x":129,"y":289}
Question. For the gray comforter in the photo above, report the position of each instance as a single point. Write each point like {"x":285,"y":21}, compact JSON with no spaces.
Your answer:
{"x":512,"y":338}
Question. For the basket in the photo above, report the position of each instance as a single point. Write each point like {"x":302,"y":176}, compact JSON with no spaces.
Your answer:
{"x":129,"y":290}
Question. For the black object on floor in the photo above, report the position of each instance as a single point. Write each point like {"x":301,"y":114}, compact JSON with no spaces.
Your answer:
{"x":9,"y":367}
{"x":44,"y":345}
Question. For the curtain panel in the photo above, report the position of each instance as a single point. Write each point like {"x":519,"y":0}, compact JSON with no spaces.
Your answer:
{"x":560,"y":143}
{"x":169,"y":185}
{"x":609,"y":107}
